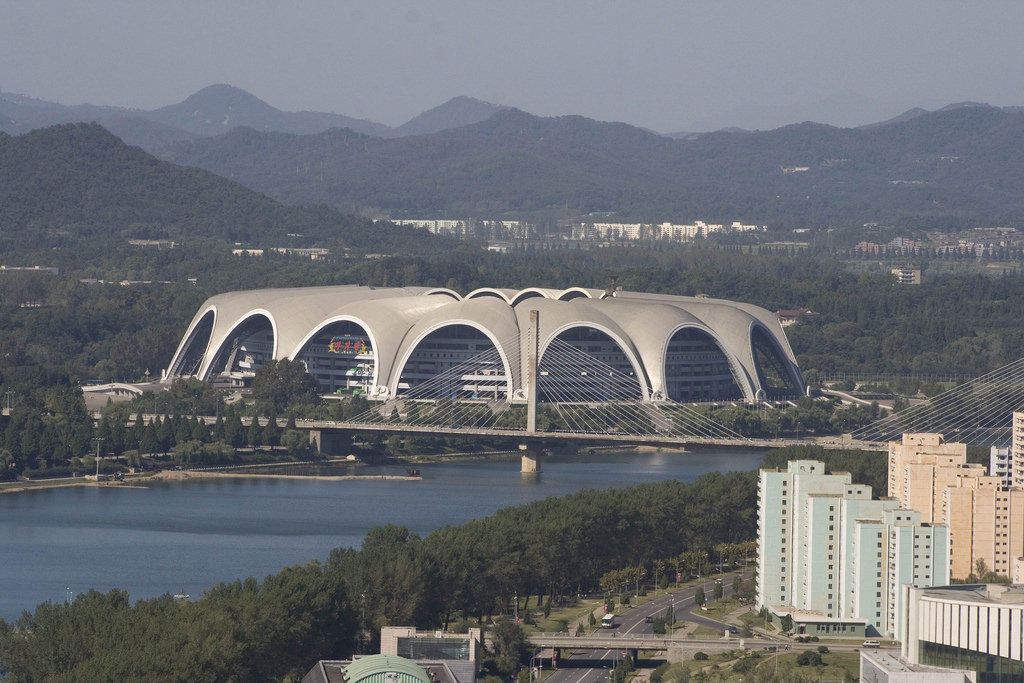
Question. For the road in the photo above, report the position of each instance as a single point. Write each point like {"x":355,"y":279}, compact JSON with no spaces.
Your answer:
{"x":594,"y":666}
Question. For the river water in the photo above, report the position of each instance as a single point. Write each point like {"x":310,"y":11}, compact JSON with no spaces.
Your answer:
{"x":188,"y":536}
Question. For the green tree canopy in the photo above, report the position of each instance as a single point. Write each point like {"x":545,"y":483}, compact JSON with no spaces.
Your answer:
{"x":281,"y":384}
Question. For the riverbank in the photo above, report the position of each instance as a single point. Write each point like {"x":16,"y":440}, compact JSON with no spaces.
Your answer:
{"x":140,"y":480}
{"x":180,"y":475}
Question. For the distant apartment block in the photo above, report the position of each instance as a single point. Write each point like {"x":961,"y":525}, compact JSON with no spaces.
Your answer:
{"x":833,"y":559}
{"x":521,"y":230}
{"x":154,"y":244}
{"x":313,"y":254}
{"x":482,"y":229}
{"x":671,"y":232}
{"x":907,"y":276}
{"x":48,"y":270}
{"x":985,"y":517}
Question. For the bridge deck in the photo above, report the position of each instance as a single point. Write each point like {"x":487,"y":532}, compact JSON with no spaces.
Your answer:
{"x":603,"y":437}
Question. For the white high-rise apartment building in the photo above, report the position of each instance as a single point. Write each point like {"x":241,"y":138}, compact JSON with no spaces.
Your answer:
{"x":826,"y":548}
{"x":1000,"y":463}
{"x":1017,"y":451}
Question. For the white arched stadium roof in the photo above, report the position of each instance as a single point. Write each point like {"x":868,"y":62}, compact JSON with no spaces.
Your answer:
{"x":397,"y":319}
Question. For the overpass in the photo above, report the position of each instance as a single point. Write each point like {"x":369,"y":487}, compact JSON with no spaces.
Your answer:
{"x":563,"y":641}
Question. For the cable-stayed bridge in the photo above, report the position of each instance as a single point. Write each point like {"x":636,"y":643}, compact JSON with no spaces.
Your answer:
{"x":978,"y":412}
{"x":578,"y":397}
{"x":582,"y":398}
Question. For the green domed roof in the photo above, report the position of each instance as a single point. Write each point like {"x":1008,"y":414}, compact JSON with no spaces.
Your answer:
{"x":385,"y":669}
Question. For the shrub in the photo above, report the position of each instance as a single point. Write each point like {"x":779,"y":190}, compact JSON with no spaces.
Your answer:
{"x":700,"y":656}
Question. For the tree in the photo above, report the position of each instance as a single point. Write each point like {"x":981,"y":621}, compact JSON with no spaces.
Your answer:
{"x":509,"y":640}
{"x":255,"y":434}
{"x":296,"y":443}
{"x":191,"y":396}
{"x":284,"y":383}
{"x":272,"y":431}
{"x":786,"y":623}
{"x":698,"y":595}
{"x":149,"y":443}
{"x":234,"y":431}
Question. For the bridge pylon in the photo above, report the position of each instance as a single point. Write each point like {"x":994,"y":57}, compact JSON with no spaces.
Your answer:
{"x":532,"y":350}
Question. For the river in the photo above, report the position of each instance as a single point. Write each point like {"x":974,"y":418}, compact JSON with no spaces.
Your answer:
{"x":189,"y":535}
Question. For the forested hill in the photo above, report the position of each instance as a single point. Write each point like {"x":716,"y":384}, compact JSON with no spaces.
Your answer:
{"x":953,"y":168}
{"x":75,"y":182}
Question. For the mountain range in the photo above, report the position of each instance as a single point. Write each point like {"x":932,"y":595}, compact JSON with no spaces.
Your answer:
{"x":945,"y":170}
{"x":218,"y":109}
{"x":961,"y":166}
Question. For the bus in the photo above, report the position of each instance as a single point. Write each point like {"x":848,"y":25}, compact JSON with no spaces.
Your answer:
{"x":608,"y":621}
{"x":871,"y":644}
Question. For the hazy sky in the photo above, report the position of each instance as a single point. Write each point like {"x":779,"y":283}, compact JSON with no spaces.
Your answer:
{"x":667,"y":65}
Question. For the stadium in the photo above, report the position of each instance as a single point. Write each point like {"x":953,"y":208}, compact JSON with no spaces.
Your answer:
{"x":591,"y":344}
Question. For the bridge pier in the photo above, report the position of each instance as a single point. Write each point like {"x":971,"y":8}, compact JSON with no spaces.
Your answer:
{"x":530,"y":461}
{"x":331,"y":441}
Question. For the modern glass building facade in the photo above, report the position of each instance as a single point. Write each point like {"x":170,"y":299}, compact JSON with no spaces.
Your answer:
{"x":977,"y":628}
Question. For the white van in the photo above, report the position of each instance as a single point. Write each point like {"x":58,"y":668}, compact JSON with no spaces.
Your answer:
{"x":871,"y":644}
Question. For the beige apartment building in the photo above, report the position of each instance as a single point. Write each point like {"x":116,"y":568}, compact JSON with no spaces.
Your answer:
{"x":921,"y":468}
{"x":986,"y":521}
{"x":985,"y":517}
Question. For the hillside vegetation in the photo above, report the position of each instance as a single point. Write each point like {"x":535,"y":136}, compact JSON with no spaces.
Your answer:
{"x":78,"y":184}
{"x":945,"y":170}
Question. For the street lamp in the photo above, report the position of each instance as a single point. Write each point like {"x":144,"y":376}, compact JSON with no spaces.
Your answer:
{"x":534,"y":669}
{"x":99,"y":440}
